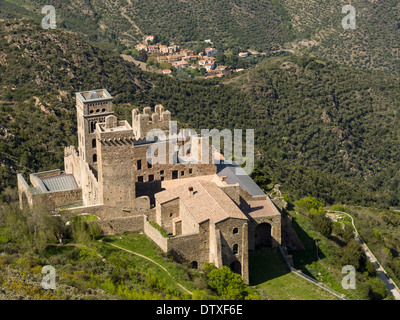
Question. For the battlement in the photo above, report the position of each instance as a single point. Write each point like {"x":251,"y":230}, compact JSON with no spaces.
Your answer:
{"x":70,"y":151}
{"x":114,"y":130}
{"x":148,"y":120}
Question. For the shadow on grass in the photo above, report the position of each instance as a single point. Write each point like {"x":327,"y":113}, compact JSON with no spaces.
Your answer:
{"x":266,"y":264}
{"x":302,"y":258}
{"x":337,"y":240}
{"x":107,"y":239}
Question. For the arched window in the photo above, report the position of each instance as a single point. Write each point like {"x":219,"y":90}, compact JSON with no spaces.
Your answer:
{"x":94,"y":158}
{"x":235,"y":230}
{"x":94,"y":143}
{"x":235,"y":249}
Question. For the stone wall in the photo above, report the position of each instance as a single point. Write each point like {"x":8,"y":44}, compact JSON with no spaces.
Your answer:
{"x":115,"y":170}
{"x":55,"y":199}
{"x":186,"y":248}
{"x":164,"y":169}
{"x":289,"y":235}
{"x":121,"y":225}
{"x":234,"y":232}
{"x":166,"y":213}
{"x":215,"y":255}
{"x":72,"y":164}
{"x":24,"y":193}
{"x":189,"y":224}
{"x":276,"y":229}
{"x":155,"y":235}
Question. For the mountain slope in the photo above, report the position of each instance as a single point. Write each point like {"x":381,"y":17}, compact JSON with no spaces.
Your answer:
{"x":321,"y":129}
{"x":312,"y":26}
{"x":39,"y":73}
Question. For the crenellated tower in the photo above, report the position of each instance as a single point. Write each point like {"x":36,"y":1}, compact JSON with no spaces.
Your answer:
{"x":148,"y":120}
{"x":116,"y":178}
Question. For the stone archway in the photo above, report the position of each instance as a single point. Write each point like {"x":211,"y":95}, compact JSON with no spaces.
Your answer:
{"x":262,"y":235}
{"x":236,"y":267}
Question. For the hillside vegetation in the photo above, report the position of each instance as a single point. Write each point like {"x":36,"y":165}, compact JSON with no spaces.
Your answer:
{"x":321,"y":129}
{"x":312,"y":26}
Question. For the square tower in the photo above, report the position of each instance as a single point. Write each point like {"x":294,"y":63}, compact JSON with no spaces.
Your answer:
{"x":92,"y":107}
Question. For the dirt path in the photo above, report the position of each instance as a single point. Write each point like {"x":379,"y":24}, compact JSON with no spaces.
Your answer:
{"x":390,"y":285}
{"x":134,"y":25}
{"x":144,"y":257}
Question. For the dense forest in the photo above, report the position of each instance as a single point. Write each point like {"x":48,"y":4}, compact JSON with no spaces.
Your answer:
{"x":321,"y":129}
{"x":306,"y":27}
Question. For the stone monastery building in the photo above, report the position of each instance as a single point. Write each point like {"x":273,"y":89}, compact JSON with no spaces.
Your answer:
{"x":212,"y":212}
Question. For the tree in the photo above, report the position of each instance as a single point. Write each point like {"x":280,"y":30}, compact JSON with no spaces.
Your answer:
{"x":354,"y":255}
{"x":142,"y":56}
{"x":94,"y":230}
{"x":80,"y":231}
{"x":370,"y":269}
{"x":309,"y":203}
{"x":376,"y":289}
{"x":348,"y":233}
{"x":322,"y":223}
{"x":227,"y":284}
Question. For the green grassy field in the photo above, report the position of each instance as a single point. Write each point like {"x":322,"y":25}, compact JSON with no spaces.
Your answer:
{"x":272,"y":279}
{"x":141,"y":244}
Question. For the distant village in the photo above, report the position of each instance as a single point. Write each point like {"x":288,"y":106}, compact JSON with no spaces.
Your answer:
{"x":180,"y":58}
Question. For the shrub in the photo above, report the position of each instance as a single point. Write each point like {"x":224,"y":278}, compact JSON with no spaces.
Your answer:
{"x":80,"y":231}
{"x":376,"y":289}
{"x":309,"y":203}
{"x":322,"y":223}
{"x":94,"y":230}
{"x":354,"y":255}
{"x":227,"y":284}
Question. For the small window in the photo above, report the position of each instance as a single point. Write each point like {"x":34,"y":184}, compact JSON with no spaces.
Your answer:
{"x":162,"y":178}
{"x":94,"y":143}
{"x":104,"y":110}
{"x":182,"y":173}
{"x":140,"y":179}
{"x":98,"y":110}
{"x":235,"y":249}
{"x":94,"y":158}
{"x":91,"y":111}
{"x":171,"y":214}
{"x":149,"y":165}
{"x":139,"y":164}
{"x":235,"y":230}
{"x":175,"y":174}
{"x":162,"y":172}
{"x":151,"y":177}
{"x":190,"y":171}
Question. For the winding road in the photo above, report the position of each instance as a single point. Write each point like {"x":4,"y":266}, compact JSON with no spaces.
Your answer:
{"x":390,"y":285}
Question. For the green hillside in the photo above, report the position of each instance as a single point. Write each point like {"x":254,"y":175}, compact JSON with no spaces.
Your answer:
{"x":313,"y":26}
{"x":321,"y":129}
{"x":258,"y":24}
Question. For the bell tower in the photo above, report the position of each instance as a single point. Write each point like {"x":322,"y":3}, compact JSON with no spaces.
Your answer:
{"x":92,"y":107}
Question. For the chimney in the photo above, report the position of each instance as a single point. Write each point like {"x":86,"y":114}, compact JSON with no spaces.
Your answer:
{"x":191,"y":191}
